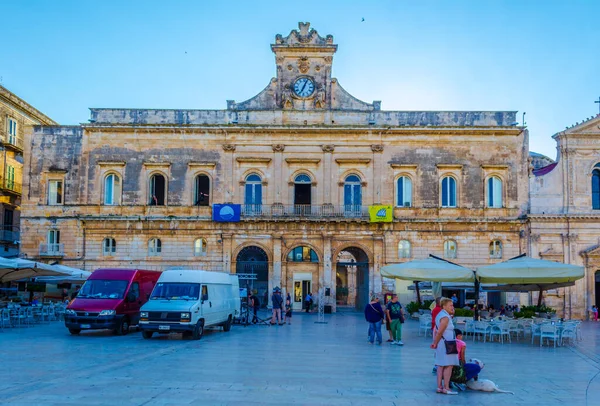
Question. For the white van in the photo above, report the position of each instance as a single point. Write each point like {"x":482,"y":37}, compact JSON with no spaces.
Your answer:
{"x":185,"y":301}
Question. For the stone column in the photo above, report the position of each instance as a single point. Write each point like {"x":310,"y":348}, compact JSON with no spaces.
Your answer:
{"x":278,"y":168}
{"x":226,"y":250}
{"x":329,"y":193}
{"x":276,"y":262}
{"x":376,"y":264}
{"x":229,"y":183}
{"x":377,"y":173}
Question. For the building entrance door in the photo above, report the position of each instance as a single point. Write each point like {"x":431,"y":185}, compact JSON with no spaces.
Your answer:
{"x":302,"y":287}
{"x":352,"y":269}
{"x":254,"y":262}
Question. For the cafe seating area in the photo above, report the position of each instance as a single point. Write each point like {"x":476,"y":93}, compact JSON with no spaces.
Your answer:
{"x":26,"y":315}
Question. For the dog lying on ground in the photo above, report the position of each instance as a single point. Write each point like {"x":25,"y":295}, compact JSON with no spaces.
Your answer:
{"x":485,"y":385}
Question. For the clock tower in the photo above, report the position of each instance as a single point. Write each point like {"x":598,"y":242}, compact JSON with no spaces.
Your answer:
{"x":303,"y":81}
{"x":303,"y":61}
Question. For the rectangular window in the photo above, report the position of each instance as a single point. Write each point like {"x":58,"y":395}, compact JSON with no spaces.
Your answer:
{"x":12,"y":131}
{"x":53,"y":242}
{"x":55,"y":192}
{"x":10,"y":177}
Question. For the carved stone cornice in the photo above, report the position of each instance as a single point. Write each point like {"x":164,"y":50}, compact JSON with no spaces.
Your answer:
{"x":228,"y":147}
{"x":328,"y":148}
{"x":278,"y":147}
{"x":377,"y":147}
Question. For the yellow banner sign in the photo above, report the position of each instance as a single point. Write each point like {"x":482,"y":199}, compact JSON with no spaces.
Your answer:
{"x":381,"y":214}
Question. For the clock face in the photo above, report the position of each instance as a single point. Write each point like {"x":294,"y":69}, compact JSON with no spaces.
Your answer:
{"x":304,"y":87}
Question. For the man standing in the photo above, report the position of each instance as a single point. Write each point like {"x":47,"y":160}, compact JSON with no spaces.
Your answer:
{"x":277,"y":305}
{"x":395,"y":315}
{"x":308,"y":302}
{"x":454,"y":299}
{"x":254,"y":303}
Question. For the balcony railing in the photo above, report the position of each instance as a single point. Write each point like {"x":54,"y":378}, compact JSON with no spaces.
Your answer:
{"x":9,"y":185}
{"x":10,"y":233}
{"x":52,"y":250}
{"x":304,"y":211}
{"x":12,"y":140}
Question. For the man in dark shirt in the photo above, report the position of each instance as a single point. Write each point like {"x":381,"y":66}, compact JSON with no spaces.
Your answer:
{"x":395,"y":315}
{"x":277,"y":306}
{"x":254,"y":303}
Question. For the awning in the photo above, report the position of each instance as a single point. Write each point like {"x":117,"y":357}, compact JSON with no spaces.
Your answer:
{"x":70,"y":275}
{"x":430,"y":269}
{"x":525,"y":270}
{"x":18,"y":268}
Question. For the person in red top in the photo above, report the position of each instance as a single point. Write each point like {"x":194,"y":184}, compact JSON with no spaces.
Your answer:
{"x":434,"y":314}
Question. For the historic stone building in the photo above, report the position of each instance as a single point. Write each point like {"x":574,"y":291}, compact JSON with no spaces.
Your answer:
{"x":304,"y":160}
{"x":16,"y":116}
{"x":565,"y":214}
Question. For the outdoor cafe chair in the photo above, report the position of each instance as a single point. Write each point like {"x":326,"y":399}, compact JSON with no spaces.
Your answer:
{"x":5,"y":319}
{"x":516,"y":328}
{"x":29,"y":316}
{"x":549,"y":332}
{"x":18,"y":316}
{"x":425,"y":325}
{"x":480,"y":327}
{"x":569,"y":332}
{"x":500,"y":330}
{"x":469,"y":327}
{"x":45,"y":314}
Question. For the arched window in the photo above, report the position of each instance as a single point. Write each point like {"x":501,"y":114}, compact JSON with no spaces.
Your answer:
{"x":154,"y":247}
{"x":404,"y":249}
{"x":404,"y":192}
{"x":112,"y":190}
{"x":200,"y":247}
{"x":450,"y":249}
{"x":448,"y":192}
{"x":109,"y":246}
{"x":302,"y":192}
{"x":494,"y":192}
{"x":352,"y":193}
{"x":303,"y":254}
{"x":253,"y":191}
{"x":158,"y":190}
{"x":202,"y":190}
{"x":596,"y":187}
{"x":496,"y":249}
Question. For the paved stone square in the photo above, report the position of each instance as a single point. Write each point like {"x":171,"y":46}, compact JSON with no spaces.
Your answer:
{"x":302,"y":363}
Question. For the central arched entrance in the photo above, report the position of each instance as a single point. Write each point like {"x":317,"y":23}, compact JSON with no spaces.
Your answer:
{"x":253,"y":261}
{"x":352,"y":278}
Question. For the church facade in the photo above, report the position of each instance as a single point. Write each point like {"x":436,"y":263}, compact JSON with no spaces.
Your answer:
{"x":303,"y":186}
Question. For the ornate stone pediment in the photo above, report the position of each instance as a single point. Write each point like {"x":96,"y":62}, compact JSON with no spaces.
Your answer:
{"x":304,"y":36}
{"x":593,"y":251}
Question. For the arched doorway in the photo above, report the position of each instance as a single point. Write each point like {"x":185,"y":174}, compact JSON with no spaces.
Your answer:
{"x":597,"y":286}
{"x":352,"y":278}
{"x":253,"y":261}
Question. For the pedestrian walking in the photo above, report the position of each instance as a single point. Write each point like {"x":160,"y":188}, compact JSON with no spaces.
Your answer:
{"x":254,"y":303}
{"x":277,"y":301}
{"x":374,"y":315}
{"x":595,"y":312}
{"x":395,"y":315}
{"x":444,"y":344}
{"x":288,"y":309}
{"x":308,"y":301}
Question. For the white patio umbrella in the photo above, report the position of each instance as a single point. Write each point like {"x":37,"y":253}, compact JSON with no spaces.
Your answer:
{"x":70,"y":275}
{"x":524,"y":273}
{"x":432,"y":269}
{"x":18,"y":268}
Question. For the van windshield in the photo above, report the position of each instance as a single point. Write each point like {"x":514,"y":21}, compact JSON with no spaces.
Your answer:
{"x":101,"y":289}
{"x":175,"y":291}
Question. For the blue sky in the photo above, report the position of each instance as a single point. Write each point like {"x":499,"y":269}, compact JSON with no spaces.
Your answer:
{"x":537,"y":56}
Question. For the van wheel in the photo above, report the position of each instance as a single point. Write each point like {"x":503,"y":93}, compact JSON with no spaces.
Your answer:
{"x":227,"y":325}
{"x":198,"y":330}
{"x":123,"y":328}
{"x":147,"y":334}
{"x":74,"y":331}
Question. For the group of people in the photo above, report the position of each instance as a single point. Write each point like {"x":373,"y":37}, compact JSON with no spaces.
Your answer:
{"x":450,"y":360}
{"x":279,"y":306}
{"x":393,"y":315}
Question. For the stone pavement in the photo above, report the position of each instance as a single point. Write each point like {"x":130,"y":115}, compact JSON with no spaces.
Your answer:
{"x":303,"y":363}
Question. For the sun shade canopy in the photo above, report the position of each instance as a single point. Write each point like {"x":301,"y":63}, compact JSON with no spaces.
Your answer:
{"x":18,"y":268}
{"x":430,"y":269}
{"x":524,"y":270}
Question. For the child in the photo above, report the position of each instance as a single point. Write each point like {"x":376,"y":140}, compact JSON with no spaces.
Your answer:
{"x":595,"y":312}
{"x":458,"y":378}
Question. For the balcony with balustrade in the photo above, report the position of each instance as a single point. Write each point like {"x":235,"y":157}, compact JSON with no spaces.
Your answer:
{"x":307,"y":212}
{"x":12,"y":141}
{"x":52,"y":250}
{"x":10,"y":234}
{"x":10,"y":186}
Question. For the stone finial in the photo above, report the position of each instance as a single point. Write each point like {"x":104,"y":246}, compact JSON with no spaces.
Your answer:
{"x":328,"y":148}
{"x":278,"y":148}
{"x":228,"y":147}
{"x":377,"y":147}
{"x":304,"y":27}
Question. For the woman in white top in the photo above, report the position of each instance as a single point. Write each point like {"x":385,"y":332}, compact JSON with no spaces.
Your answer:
{"x":444,"y":331}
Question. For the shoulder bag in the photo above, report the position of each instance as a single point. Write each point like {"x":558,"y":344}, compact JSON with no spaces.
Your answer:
{"x":451,"y":347}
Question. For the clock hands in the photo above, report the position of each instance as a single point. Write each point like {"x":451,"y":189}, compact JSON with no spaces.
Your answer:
{"x":303,"y":86}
